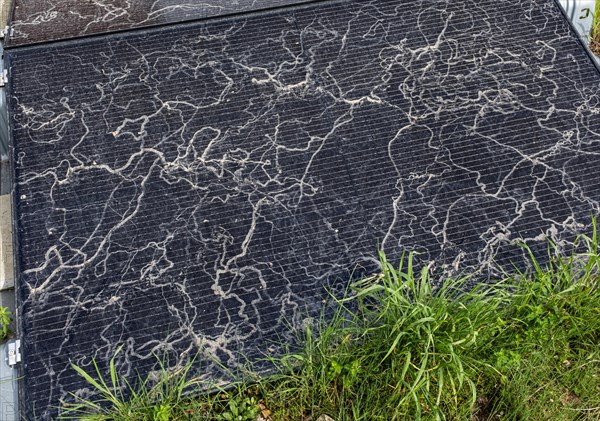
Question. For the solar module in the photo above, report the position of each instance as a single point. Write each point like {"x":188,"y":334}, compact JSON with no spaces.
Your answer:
{"x":197,"y":187}
{"x":50,"y":20}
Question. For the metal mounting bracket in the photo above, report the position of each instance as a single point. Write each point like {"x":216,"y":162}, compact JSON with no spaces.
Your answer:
{"x":5,"y":32}
{"x":9,"y":380}
{"x":3,"y":78}
{"x":14,"y":352}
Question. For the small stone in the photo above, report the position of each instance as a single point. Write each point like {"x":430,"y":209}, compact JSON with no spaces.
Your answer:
{"x":325,"y":418}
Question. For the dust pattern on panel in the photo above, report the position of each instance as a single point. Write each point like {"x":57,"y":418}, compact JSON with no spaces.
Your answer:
{"x":196,"y":187}
{"x":47,"y":20}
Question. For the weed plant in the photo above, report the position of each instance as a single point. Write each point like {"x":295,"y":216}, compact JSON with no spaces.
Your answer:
{"x":526,"y":347}
{"x":5,"y":321}
{"x":403,"y":347}
{"x":118,"y":400}
{"x":163,"y":396}
{"x":408,"y":351}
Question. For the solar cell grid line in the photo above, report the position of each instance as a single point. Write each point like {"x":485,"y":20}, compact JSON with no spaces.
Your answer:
{"x":197,"y":186}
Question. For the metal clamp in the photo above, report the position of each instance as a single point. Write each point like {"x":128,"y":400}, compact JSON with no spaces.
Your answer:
{"x":14,"y":352}
{"x":6,"y":32}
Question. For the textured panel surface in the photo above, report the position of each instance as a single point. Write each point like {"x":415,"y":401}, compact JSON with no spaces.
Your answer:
{"x":46,"y":20}
{"x":197,"y":185}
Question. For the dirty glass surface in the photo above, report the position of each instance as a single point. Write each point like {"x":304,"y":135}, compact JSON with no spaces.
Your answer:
{"x":196,"y":187}
{"x":46,"y":20}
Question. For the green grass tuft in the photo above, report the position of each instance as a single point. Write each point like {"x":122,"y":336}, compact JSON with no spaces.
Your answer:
{"x":408,"y":351}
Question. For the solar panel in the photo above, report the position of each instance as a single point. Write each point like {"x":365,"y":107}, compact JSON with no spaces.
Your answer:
{"x":196,"y":187}
{"x":50,"y":20}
